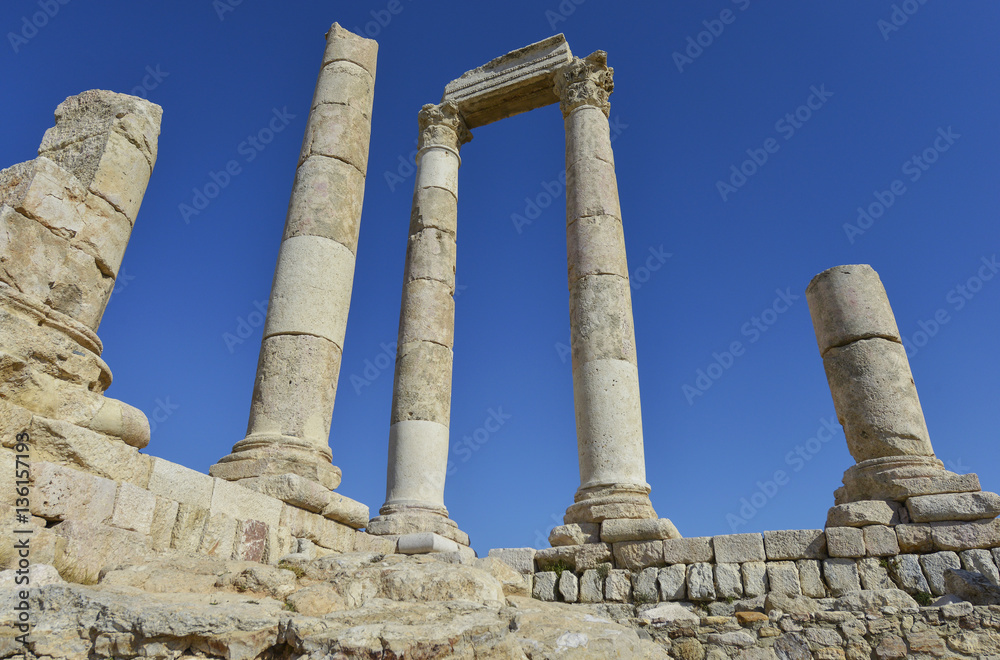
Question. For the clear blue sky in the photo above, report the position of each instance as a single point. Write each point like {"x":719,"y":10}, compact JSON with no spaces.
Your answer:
{"x":222,"y":70}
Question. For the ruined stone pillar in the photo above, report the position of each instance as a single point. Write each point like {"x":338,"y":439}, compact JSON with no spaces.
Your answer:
{"x":875,"y":396}
{"x":300,"y":354}
{"x":605,"y":374}
{"x":421,"y":397}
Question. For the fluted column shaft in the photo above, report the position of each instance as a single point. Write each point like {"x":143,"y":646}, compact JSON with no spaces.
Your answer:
{"x":299,"y":365}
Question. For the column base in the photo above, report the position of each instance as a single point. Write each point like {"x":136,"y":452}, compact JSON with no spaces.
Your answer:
{"x":400,"y":519}
{"x":901,"y":477}
{"x":266,"y":455}
{"x":599,"y":503}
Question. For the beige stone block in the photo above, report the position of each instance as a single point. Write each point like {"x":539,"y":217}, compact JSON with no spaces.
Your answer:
{"x":841,"y":576}
{"x":431,"y":255}
{"x":295,"y":389}
{"x":347,"y":84}
{"x":521,"y":560}
{"x":935,"y":565}
{"x":600,"y":312}
{"x":164,"y":519}
{"x":914,"y":538}
{"x":92,"y":546}
{"x":422,"y":387}
{"x":728,"y":583}
{"x":369,"y":543}
{"x":53,"y":197}
{"x":688,"y":551}
{"x":438,"y":168}
{"x":418,"y":463}
{"x":338,"y":131}
{"x":880,"y":541}
{"x":848,"y":303}
{"x":312,"y":289}
{"x":591,"y":189}
{"x":122,"y":175}
{"x":876,"y":400}
{"x":795,"y":544}
{"x":319,"y":530}
{"x":980,"y":561}
{"x":189,"y":527}
{"x":700,"y":582}
{"x":859,"y":514}
{"x":104,"y":234}
{"x":783,"y":578}
{"x":576,"y":557}
{"x":874,"y":575}
{"x":966,"y":535}
{"x":588,"y":135}
{"x":291,"y":489}
{"x":596,"y":246}
{"x":326,"y":201}
{"x":575,"y":534}
{"x":434,"y":208}
{"x":738,"y":548}
{"x":245,"y":504}
{"x":953,"y":506}
{"x":219,"y":537}
{"x":346,"y":511}
{"x":616,"y":530}
{"x":845,"y":542}
{"x":181,"y":484}
{"x":342,"y":44}
{"x":637,"y":555}
{"x":134,"y":509}
{"x":60,"y":493}
{"x":427,"y":313}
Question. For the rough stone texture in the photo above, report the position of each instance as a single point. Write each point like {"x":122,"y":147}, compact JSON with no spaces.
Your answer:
{"x":880,"y":541}
{"x":700,"y":582}
{"x":728,"y":582}
{"x":973,"y":587}
{"x":980,"y":561}
{"x":795,"y":544}
{"x":521,"y":560}
{"x":569,"y":587}
{"x":908,"y":574}
{"x":575,"y":534}
{"x":63,"y":493}
{"x":935,"y":565}
{"x":874,"y":575}
{"x":811,"y":578}
{"x":859,"y":514}
{"x":738,"y":548}
{"x":292,"y":489}
{"x":347,"y":511}
{"x":577,"y":558}
{"x":618,"y":586}
{"x":636,"y":555}
{"x":953,"y":506}
{"x":544,"y":587}
{"x":845,"y":542}
{"x":134,"y":509}
{"x":688,"y":551}
{"x":783,"y":578}
{"x":181,"y":484}
{"x":645,"y":587}
{"x":914,"y":538}
{"x":625,"y":529}
{"x":966,"y":535}
{"x":673,"y":582}
{"x":754,"y":579}
{"x":841,"y":576}
{"x":591,"y":586}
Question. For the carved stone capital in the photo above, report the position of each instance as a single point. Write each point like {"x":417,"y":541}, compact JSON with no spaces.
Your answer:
{"x":442,"y":125}
{"x":587,"y":81}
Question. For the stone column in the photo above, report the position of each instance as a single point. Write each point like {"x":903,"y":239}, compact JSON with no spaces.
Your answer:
{"x":300,"y":354}
{"x":874,"y":394}
{"x":421,"y":397}
{"x":605,"y":374}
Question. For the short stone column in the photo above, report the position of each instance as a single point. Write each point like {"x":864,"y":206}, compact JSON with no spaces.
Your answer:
{"x":421,"y":398}
{"x":876,"y":402}
{"x":605,"y":373}
{"x":300,"y":354}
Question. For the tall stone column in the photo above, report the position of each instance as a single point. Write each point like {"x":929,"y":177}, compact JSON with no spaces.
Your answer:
{"x":300,"y":354}
{"x":605,"y":373}
{"x":876,"y":402}
{"x":421,"y":397}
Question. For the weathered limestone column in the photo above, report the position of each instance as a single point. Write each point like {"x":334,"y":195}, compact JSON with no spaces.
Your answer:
{"x":605,"y":374}
{"x":876,"y":401}
{"x":300,"y":354}
{"x":421,"y":398}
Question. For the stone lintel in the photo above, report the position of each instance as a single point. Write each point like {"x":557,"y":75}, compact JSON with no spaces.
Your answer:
{"x":511,"y":84}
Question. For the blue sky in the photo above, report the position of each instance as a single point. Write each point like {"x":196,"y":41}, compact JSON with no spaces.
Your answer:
{"x":887,"y":82}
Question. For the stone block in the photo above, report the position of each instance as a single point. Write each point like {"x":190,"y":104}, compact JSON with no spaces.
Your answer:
{"x":966,"y":535}
{"x":544,"y":587}
{"x":424,"y":543}
{"x":795,"y":544}
{"x":577,"y":558}
{"x":321,"y":531}
{"x":873,"y":575}
{"x":738,"y":548}
{"x":811,"y":578}
{"x":953,"y":506}
{"x":591,"y":587}
{"x":189,"y":527}
{"x":134,"y":509}
{"x":700,"y":582}
{"x":672,"y":581}
{"x":980,"y":561}
{"x":688,"y":551}
{"x":595,"y":246}
{"x":845,"y":542}
{"x":880,"y":541}
{"x":575,"y":534}
{"x":61,"y":493}
{"x":618,"y":586}
{"x":618,"y":530}
{"x":914,"y":538}
{"x":521,"y":560}
{"x":569,"y":587}
{"x":92,"y":546}
{"x":346,"y":511}
{"x":637,"y":555}
{"x":728,"y":582}
{"x":906,"y":572}
{"x":164,"y":518}
{"x":252,"y":541}
{"x":848,"y":303}
{"x":219,"y":537}
{"x":841,"y":576}
{"x":291,"y":489}
{"x":783,"y":578}
{"x":364,"y":542}
{"x":935,"y":565}
{"x":245,"y":504}
{"x":859,"y":514}
{"x":972,"y":587}
{"x":181,"y":484}
{"x":754,"y":578}
{"x":645,"y":588}
{"x":122,"y":175}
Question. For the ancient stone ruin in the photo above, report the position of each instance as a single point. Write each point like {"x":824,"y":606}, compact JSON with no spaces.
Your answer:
{"x":113,"y":553}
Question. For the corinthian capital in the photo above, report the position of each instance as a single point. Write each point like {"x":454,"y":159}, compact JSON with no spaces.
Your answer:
{"x":442,"y":125}
{"x":586,"y":81}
